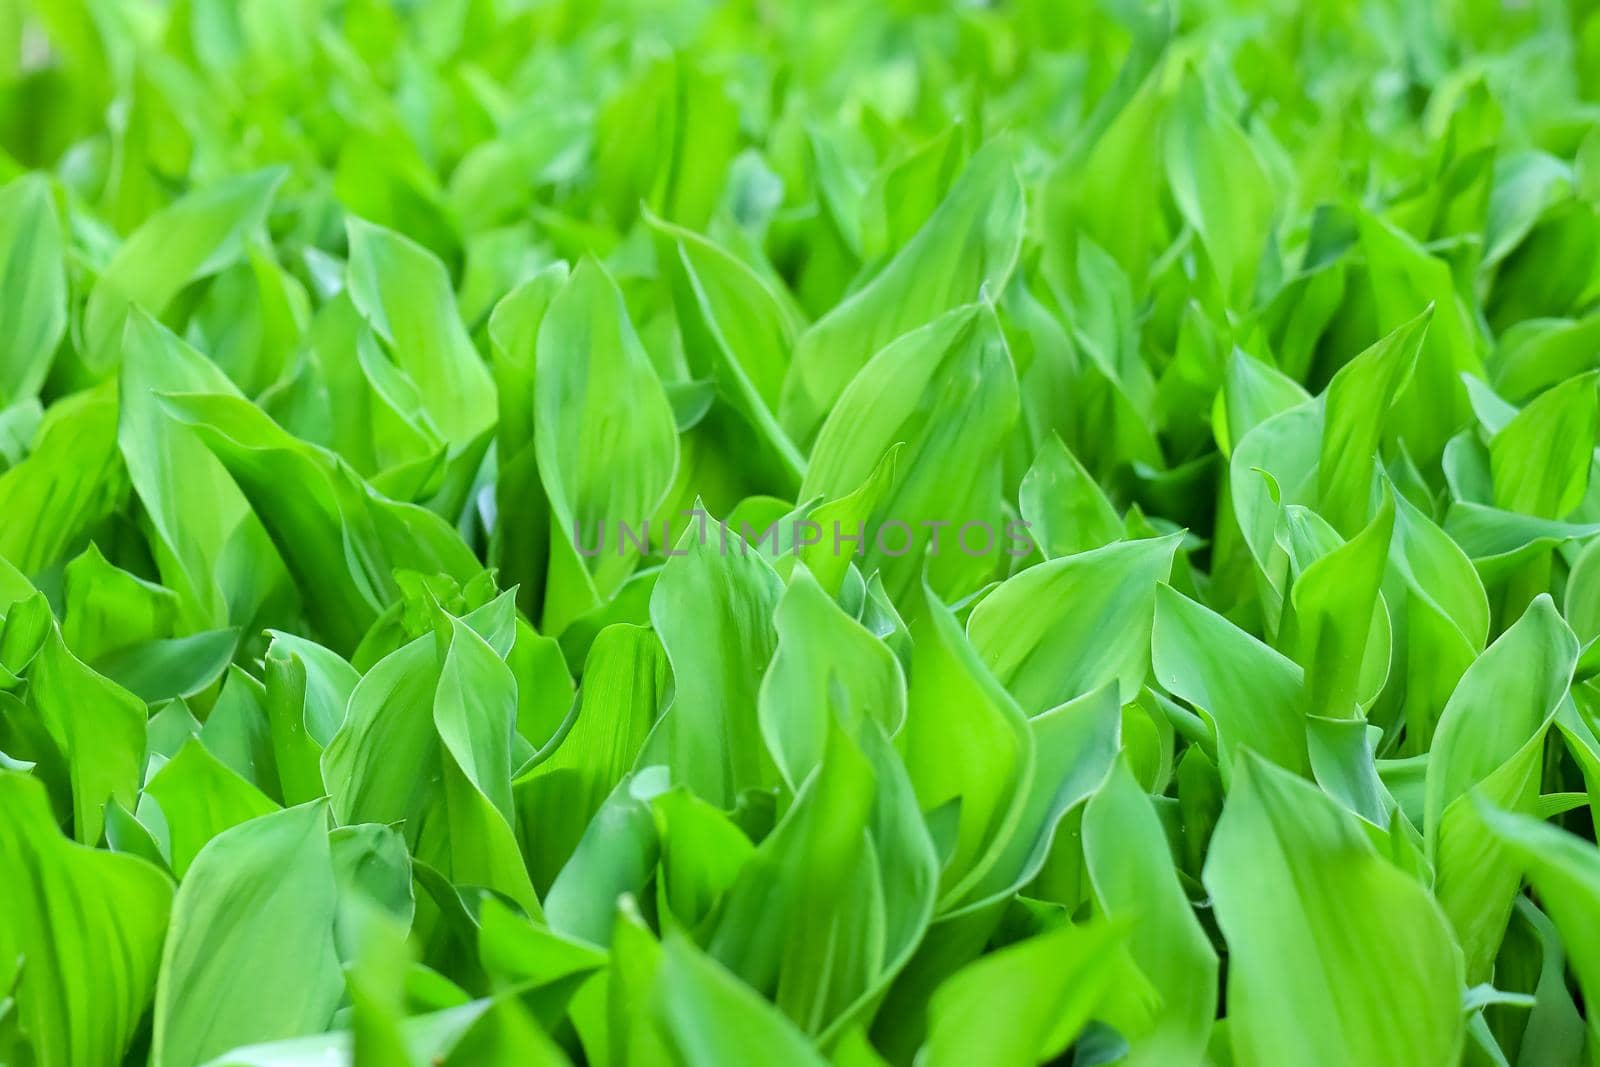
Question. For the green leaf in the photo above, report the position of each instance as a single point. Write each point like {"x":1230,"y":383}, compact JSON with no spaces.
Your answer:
{"x":966,"y":249}
{"x":521,"y":548}
{"x":313,"y":506}
{"x":966,"y":744}
{"x":255,"y":915}
{"x":475,"y":714}
{"x":172,"y":667}
{"x":307,"y":691}
{"x":1221,"y":187}
{"x":947,"y":391}
{"x":713,"y":609}
{"x":1490,"y":741}
{"x":198,"y":236}
{"x":606,"y":441}
{"x":1314,"y":916}
{"x":831,"y":905}
{"x":1540,"y":461}
{"x":1047,"y":986}
{"x":625,"y":685}
{"x":99,"y":728}
{"x":1130,"y":866}
{"x":1565,"y":870}
{"x":1441,"y":617}
{"x":210,"y":548}
{"x":828,"y":670}
{"x":710,"y":1018}
{"x":1097,"y":610}
{"x":1405,"y":279}
{"x":1253,"y":697}
{"x":427,"y":739}
{"x":428,"y":1038}
{"x":1066,"y":510}
{"x":404,"y":293}
{"x":1334,"y":604}
{"x":1074,"y":746}
{"x":1357,"y":403}
{"x":87,"y":926}
{"x":200,"y":797}
{"x":35,"y":286}
{"x":739,"y":333}
{"x":71,"y":481}
{"x":616,"y":857}
{"x":109,"y":609}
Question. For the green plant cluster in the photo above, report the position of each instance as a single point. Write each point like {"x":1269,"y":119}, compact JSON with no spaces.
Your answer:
{"x":345,"y":343}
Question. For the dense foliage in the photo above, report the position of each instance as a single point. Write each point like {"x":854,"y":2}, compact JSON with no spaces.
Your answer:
{"x":789,"y":532}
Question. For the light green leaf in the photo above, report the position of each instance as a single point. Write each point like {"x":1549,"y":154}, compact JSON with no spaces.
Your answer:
{"x":341,"y":539}
{"x":625,"y":686}
{"x":1047,"y":987}
{"x":967,"y":248}
{"x":711,"y":1019}
{"x":606,"y":441}
{"x":1066,"y":510}
{"x":33,"y":314}
{"x":1565,"y":870}
{"x":828,"y":670}
{"x":1490,"y":740}
{"x":1357,"y":403}
{"x":250,"y":957}
{"x":1253,"y":696}
{"x":99,"y":728}
{"x":713,"y":609}
{"x":403,"y":291}
{"x":1067,"y":626}
{"x":1314,"y":917}
{"x":198,"y":236}
{"x":1129,"y":863}
{"x":1540,"y":462}
{"x":87,"y":926}
{"x":948,"y":391}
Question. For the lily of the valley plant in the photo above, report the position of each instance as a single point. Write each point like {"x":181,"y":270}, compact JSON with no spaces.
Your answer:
{"x":655,"y":534}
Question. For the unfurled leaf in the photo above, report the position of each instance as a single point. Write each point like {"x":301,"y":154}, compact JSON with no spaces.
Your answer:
{"x":624,"y":688}
{"x":1048,"y":986}
{"x":250,"y":956}
{"x":827,"y":670}
{"x":405,"y":294}
{"x":1221,"y":187}
{"x":99,"y":728}
{"x":606,"y":442}
{"x":71,"y":481}
{"x":1336,"y":609}
{"x":714,"y":611}
{"x":947,"y":391}
{"x":1311,"y":911}
{"x":1540,"y":461}
{"x":1566,"y":871}
{"x":35,"y":307}
{"x":200,"y":797}
{"x":1066,"y":627}
{"x":87,"y":927}
{"x":965,"y":251}
{"x":1067,"y":512}
{"x":1357,"y":403}
{"x":1127,"y":857}
{"x":709,"y":1017}
{"x":966,"y":747}
{"x":1490,"y":740}
{"x":1253,"y":696}
{"x":317,"y":509}
{"x":197,"y":236}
